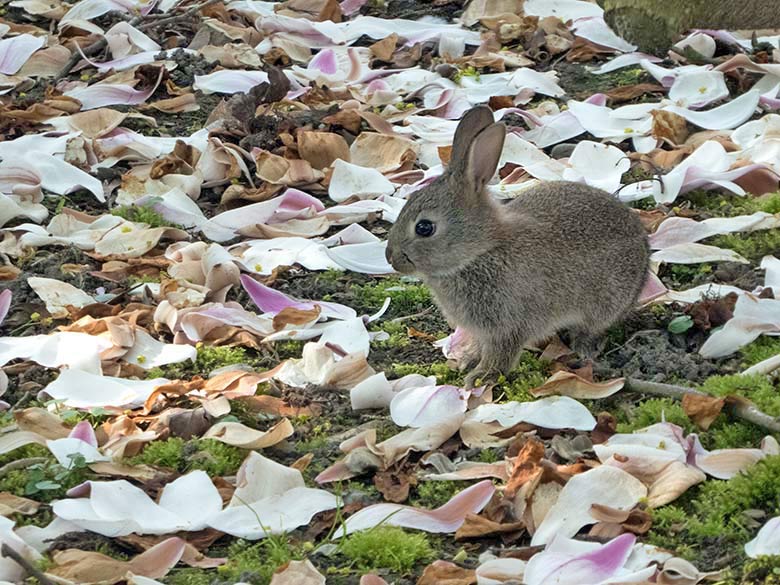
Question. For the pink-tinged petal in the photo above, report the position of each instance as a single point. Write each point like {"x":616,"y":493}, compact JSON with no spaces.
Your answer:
{"x":269,"y":300}
{"x":589,"y":568}
{"x":15,"y":51}
{"x":445,"y":519}
{"x":767,"y":541}
{"x":158,"y":560}
{"x":423,"y":406}
{"x":624,"y":61}
{"x":372,"y":580}
{"x":324,"y":62}
{"x":84,"y":432}
{"x":339,"y":471}
{"x":5,"y":303}
{"x":105,"y":94}
{"x":652,"y":289}
{"x":350,"y":7}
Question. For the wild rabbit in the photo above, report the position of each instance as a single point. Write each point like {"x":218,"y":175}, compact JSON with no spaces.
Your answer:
{"x":563,"y":255}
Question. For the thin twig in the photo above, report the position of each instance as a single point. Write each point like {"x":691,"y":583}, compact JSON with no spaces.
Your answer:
{"x":192,"y":11}
{"x":746,"y":411}
{"x":136,"y":21}
{"x":21,"y":463}
{"x":7,"y":551}
{"x":415,"y":316}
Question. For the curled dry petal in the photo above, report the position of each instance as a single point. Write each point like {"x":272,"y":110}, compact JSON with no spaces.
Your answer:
{"x":445,"y":519}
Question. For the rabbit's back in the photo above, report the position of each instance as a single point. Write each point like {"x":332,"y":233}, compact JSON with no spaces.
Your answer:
{"x":590,"y":250}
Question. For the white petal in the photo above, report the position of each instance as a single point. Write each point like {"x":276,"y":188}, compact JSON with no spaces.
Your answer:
{"x":229,"y":81}
{"x":767,"y":541}
{"x":603,"y":485}
{"x":352,"y":180}
{"x":84,"y":390}
{"x":423,"y":406}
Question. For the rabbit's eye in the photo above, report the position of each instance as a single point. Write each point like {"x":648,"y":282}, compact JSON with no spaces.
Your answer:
{"x":425,"y":228}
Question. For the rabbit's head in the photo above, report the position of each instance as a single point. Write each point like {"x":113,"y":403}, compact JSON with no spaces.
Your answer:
{"x":447,"y":224}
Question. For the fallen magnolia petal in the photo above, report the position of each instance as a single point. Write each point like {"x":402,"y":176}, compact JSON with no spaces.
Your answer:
{"x":445,"y":519}
{"x":764,"y":367}
{"x":554,"y":412}
{"x":81,"y":442}
{"x":350,"y":180}
{"x":675,"y":231}
{"x":83,"y":567}
{"x":696,"y":254}
{"x":240,"y":435}
{"x":423,"y":406}
{"x":271,"y":301}
{"x":565,"y":563}
{"x":260,"y":477}
{"x":229,"y":81}
{"x":376,"y":392}
{"x":55,"y":174}
{"x":107,"y":94}
{"x":769,"y":263}
{"x":570,"y":384}
{"x":15,"y":51}
{"x":727,"y":116}
{"x":79,"y":389}
{"x":118,"y":508}
{"x":767,"y":541}
{"x":728,"y":463}
{"x":297,"y":573}
{"x":148,"y":353}
{"x":58,"y":295}
{"x":698,"y":88}
{"x":60,"y":349}
{"x":9,"y":569}
{"x":499,"y":571}
{"x":276,"y":514}
{"x":605,"y":485}
{"x":752,"y":317}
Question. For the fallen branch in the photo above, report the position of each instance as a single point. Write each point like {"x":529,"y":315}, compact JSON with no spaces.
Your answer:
{"x":7,"y":551}
{"x":744,"y":410}
{"x":136,"y":22}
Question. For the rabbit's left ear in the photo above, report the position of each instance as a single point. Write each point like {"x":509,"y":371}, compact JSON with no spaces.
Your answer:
{"x":484,"y":155}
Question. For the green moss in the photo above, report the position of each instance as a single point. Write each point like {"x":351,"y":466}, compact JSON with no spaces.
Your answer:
{"x":25,"y":452}
{"x":757,"y":388}
{"x":432,"y":494}
{"x":256,"y":563}
{"x":727,"y":433}
{"x":189,"y":576}
{"x":406,"y":297}
{"x":765,"y":570}
{"x":686,"y":275}
{"x":714,"y":515}
{"x":168,"y":453}
{"x":213,"y":457}
{"x":397,"y":332}
{"x":387,"y":547}
{"x":208,"y":359}
{"x":288,"y":349}
{"x":444,"y":374}
{"x":652,"y":411}
{"x":752,"y":245}
{"x":730,"y":205}
{"x":529,"y":373}
{"x":142,"y":214}
{"x":761,"y":349}
{"x":488,"y":455}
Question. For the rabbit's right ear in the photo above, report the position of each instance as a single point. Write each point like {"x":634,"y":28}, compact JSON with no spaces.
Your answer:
{"x":473,"y":122}
{"x":483,"y":157}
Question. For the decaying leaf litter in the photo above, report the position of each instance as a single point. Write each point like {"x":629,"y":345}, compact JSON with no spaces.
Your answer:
{"x":204,"y":381}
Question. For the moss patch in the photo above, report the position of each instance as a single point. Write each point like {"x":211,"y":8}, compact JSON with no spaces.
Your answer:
{"x":407,"y":296}
{"x":710,"y":525}
{"x":213,"y":457}
{"x":387,"y":547}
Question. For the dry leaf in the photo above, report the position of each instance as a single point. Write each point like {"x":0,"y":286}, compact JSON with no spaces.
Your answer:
{"x":702,"y":410}
{"x":669,"y":127}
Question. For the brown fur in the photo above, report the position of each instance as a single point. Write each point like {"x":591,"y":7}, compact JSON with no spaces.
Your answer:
{"x":562,"y":255}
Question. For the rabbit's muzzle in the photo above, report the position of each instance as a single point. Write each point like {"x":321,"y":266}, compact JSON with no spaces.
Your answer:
{"x":398,"y":260}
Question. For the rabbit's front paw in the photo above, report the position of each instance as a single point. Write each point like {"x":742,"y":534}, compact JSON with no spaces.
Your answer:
{"x":484,"y":374}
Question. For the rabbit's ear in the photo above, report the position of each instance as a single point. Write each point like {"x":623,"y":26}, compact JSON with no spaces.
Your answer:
{"x":484,"y":155}
{"x":472,"y":123}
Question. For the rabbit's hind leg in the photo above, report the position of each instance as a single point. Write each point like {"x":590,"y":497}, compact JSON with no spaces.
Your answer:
{"x":587,"y":343}
{"x":499,"y":355}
